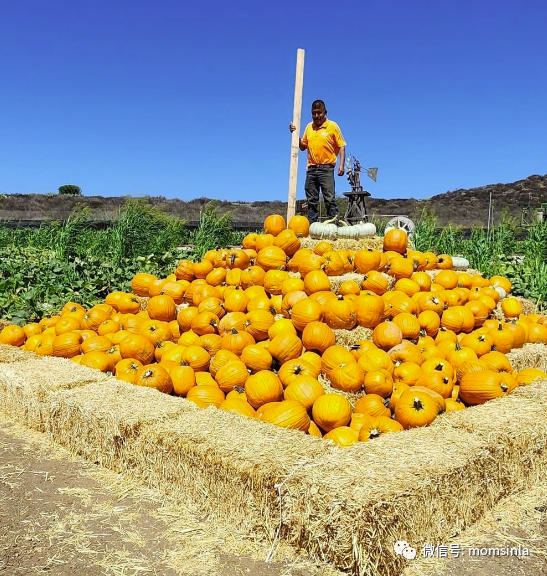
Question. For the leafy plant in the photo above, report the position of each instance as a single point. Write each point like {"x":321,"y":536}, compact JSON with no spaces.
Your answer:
{"x":214,"y":231}
{"x":425,"y":233}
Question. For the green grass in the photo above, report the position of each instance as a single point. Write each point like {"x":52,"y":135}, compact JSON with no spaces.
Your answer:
{"x":43,"y":268}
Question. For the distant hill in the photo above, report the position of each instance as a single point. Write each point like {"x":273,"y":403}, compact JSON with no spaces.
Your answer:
{"x":460,"y":207}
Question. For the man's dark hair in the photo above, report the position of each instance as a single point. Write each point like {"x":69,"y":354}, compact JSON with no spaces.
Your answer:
{"x":318,"y":104}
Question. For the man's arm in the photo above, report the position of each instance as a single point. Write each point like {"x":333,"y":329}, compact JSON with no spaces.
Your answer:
{"x":342,"y":164}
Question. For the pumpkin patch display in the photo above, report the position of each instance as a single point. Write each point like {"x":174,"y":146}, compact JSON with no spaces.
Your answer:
{"x":299,"y":331}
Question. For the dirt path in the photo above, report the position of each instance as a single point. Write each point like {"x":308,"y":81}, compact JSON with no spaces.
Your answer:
{"x":519,"y":520}
{"x":64,"y":516}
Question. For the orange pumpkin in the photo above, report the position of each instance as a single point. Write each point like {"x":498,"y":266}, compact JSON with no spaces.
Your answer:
{"x":416,"y":408}
{"x":274,"y":224}
{"x":285,"y":346}
{"x":330,"y":411}
{"x":304,"y":389}
{"x":13,"y":335}
{"x":262,"y":388}
{"x":154,"y":376}
{"x":479,"y":387}
{"x":373,"y":405}
{"x":137,"y":347}
{"x":342,"y":436}
{"x":300,"y":225}
{"x":348,"y":377}
{"x":162,"y":307}
{"x":287,"y":414}
{"x":317,"y":337}
{"x":373,"y":428}
{"x":395,"y":240}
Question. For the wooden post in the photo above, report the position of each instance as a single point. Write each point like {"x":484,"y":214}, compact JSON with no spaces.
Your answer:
{"x":295,"y":149}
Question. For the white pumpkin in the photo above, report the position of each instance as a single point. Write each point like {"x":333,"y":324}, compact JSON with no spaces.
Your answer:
{"x":460,"y":263}
{"x":366,"y":230}
{"x":323,"y":230}
{"x":500,"y":291}
{"x":349,"y":232}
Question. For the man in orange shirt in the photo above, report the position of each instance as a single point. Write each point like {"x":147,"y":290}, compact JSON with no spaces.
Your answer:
{"x":324,"y":141}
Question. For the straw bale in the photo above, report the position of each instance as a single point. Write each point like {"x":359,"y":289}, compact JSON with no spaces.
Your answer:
{"x":10,"y":354}
{"x":419,"y":485}
{"x":343,"y":506}
{"x":529,"y":356}
{"x":143,"y":301}
{"x":349,"y":337}
{"x":346,"y":507}
{"x":528,"y":306}
{"x":514,"y":429}
{"x":226,"y":461}
{"x":26,"y":386}
{"x":373,"y":242}
{"x":98,"y":420}
{"x":432,"y":274}
{"x":422,"y":485}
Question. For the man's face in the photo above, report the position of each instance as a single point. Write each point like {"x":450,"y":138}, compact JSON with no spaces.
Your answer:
{"x":318,"y":115}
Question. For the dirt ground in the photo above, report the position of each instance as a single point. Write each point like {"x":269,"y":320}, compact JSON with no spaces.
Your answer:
{"x":520,"y":519}
{"x":64,"y":516}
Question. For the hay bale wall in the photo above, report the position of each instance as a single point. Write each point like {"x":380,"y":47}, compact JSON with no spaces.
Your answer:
{"x":99,"y":420}
{"x":529,"y":356}
{"x":372,"y":242}
{"x":9,"y":354}
{"x":26,"y":385}
{"x":346,"y":507}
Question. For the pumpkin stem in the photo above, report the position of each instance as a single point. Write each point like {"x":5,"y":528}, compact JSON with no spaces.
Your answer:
{"x":239,"y":389}
{"x":234,"y":331}
{"x":418,"y":404}
{"x":374,"y":434}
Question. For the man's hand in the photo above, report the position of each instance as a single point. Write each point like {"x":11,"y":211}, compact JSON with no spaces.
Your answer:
{"x":340,"y":170}
{"x":292,"y":127}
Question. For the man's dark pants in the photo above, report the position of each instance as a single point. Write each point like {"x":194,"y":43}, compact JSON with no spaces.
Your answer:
{"x":320,"y":177}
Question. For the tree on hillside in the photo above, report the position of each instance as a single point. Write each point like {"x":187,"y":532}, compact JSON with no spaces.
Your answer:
{"x":70,"y":190}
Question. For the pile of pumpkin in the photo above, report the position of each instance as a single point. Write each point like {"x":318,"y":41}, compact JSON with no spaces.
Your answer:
{"x":252,"y":330}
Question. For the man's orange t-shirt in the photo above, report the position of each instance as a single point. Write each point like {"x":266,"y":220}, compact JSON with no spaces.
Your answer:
{"x":323,"y":143}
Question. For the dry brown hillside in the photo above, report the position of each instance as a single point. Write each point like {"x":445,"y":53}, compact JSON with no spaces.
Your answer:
{"x":460,"y":207}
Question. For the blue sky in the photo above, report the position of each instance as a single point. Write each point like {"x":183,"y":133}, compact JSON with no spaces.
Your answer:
{"x":188,"y":99}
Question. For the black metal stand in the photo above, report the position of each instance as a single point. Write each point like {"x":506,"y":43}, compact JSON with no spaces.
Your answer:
{"x":356,"y":210}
